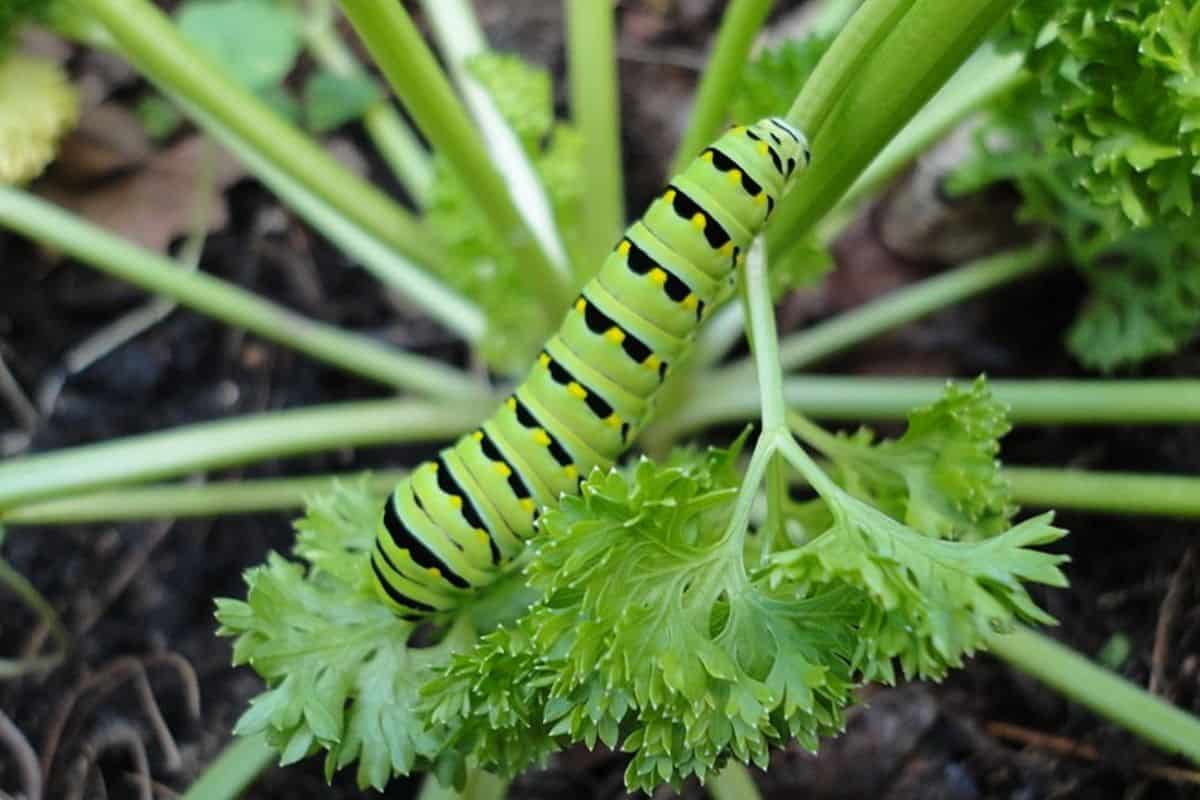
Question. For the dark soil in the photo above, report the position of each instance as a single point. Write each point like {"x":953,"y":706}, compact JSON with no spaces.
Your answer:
{"x":132,"y":593}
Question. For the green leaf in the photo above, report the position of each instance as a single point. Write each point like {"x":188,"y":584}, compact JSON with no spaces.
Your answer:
{"x":331,"y":100}
{"x":158,"y":116}
{"x":942,"y":477}
{"x":256,"y":41}
{"x":651,"y":632}
{"x":771,"y":81}
{"x":340,"y":675}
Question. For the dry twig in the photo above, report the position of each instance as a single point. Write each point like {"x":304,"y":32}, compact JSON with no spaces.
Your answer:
{"x":27,"y":763}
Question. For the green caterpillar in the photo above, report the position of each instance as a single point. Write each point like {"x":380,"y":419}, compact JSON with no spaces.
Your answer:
{"x":455,"y":521}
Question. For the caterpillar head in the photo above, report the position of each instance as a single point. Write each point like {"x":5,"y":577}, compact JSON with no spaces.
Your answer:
{"x":784,"y":142}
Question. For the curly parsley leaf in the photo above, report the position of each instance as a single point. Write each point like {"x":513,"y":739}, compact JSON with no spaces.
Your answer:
{"x":942,"y":476}
{"x":481,"y":265}
{"x":339,"y":672}
{"x":773,"y":78}
{"x":651,"y":637}
{"x":38,"y":106}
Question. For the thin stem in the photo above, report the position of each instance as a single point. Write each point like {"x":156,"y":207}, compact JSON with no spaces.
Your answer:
{"x":1106,"y":492}
{"x":457,"y":32}
{"x":211,"y":445}
{"x":740,"y":24}
{"x":231,"y":304}
{"x":904,"y":305}
{"x":1161,"y":724}
{"x":855,"y":106}
{"x":147,"y":37}
{"x":217,"y":499}
{"x":764,"y":339}
{"x":390,"y":134}
{"x":242,"y":760}
{"x":592,"y":71}
{"x":1043,"y":402}
{"x":440,"y":302}
{"x":19,"y":585}
{"x":732,"y":783}
{"x":414,"y":75}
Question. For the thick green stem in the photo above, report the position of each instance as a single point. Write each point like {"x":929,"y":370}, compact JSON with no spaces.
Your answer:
{"x":854,"y":106}
{"x":1044,"y":402}
{"x":1161,"y":724}
{"x":732,"y":783}
{"x":242,"y":760}
{"x":904,"y":305}
{"x":414,"y":75}
{"x":858,"y":40}
{"x":147,"y":37}
{"x":592,"y":70}
{"x":178,"y":501}
{"x":211,"y":445}
{"x":1106,"y":492}
{"x":457,"y":32}
{"x":735,"y":37}
{"x":221,"y":300}
{"x":437,"y":300}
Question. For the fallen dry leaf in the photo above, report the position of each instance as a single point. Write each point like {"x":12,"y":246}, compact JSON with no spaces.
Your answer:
{"x":154,"y":202}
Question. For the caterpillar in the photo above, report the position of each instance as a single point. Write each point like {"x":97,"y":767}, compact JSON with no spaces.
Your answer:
{"x":454,"y":522}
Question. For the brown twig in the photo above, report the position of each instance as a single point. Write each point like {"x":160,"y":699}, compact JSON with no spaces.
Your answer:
{"x":27,"y":762}
{"x":108,"y":679}
{"x":119,"y":734}
{"x":1065,"y":746}
{"x":1172,"y":604}
{"x":129,"y":569}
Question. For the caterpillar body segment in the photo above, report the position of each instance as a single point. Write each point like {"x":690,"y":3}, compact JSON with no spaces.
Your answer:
{"x":456,"y":521}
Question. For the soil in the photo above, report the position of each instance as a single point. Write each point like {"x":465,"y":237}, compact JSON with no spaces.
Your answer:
{"x":137,"y":598}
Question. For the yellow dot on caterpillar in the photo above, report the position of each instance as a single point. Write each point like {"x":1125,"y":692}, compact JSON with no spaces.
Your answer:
{"x":726,"y":249}
{"x":741,"y":259}
{"x":456,"y":501}
{"x":477,"y":436}
{"x":433,"y":467}
{"x":706,"y":156}
{"x":580,"y":304}
{"x":698,"y":221}
{"x":613,"y":421}
{"x":615,"y":335}
{"x":540,"y":437}
{"x":570,"y":471}
{"x":669,"y":196}
{"x":658,"y":277}
{"x":760,"y":199}
{"x":501,"y":468}
{"x":576,"y":391}
{"x":735,"y":176}
{"x":763,"y":149}
{"x":739,"y":129}
{"x":689,"y":302}
{"x":652,"y":361}
{"x":511,"y":403}
{"x":482,"y":536}
{"x":435,"y":572}
{"x":544,"y":360}
{"x":623,"y":247}
{"x":528,"y":505}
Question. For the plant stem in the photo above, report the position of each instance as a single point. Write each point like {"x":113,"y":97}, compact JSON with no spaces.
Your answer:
{"x":740,"y":24}
{"x":242,"y":760}
{"x":414,"y":75}
{"x":19,"y":585}
{"x":856,"y":42}
{"x":1106,"y":492}
{"x":764,"y":340}
{"x":439,"y":301}
{"x":901,"y":306}
{"x":178,"y":501}
{"x":732,"y":783}
{"x":592,"y":70}
{"x":1041,"y":402}
{"x":231,"y":304}
{"x":147,"y":37}
{"x":459,"y":36}
{"x":211,"y":445}
{"x":854,"y":106}
{"x":1161,"y":724}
